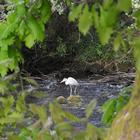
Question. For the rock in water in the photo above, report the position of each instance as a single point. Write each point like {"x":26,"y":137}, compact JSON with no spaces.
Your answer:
{"x":74,"y":100}
{"x":61,"y":100}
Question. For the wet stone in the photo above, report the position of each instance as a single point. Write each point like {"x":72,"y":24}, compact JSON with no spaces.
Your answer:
{"x":74,"y":100}
{"x":61,"y":100}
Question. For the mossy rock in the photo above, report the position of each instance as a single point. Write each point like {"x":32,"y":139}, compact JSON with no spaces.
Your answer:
{"x":61,"y":100}
{"x":126,"y":126}
{"x":74,"y":100}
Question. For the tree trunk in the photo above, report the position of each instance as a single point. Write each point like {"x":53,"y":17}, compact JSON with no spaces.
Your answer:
{"x":126,"y":126}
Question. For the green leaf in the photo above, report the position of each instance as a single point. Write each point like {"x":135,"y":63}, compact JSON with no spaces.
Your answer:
{"x":22,"y":29}
{"x":30,"y":40}
{"x":11,"y":18}
{"x":104,"y":34}
{"x":13,"y":137}
{"x":7,"y":104}
{"x":112,"y":14}
{"x":117,"y":42}
{"x":137,"y":16}
{"x":109,"y":110}
{"x":39,"y":3}
{"x":80,"y":135}
{"x":3,"y":68}
{"x":6,"y":28}
{"x":21,"y":10}
{"x":85,"y":20}
{"x":3,"y":55}
{"x":14,"y":54}
{"x":64,"y":130}
{"x":71,"y":117}
{"x":105,"y":27}
{"x":6,"y":42}
{"x":12,"y":118}
{"x":95,"y":17}
{"x":121,"y":101}
{"x":24,"y":134}
{"x":75,"y":12}
{"x":15,"y":1}
{"x":36,"y":30}
{"x":136,"y":45}
{"x":103,"y":17}
{"x":107,"y":3}
{"x":16,"y":117}
{"x":91,"y":106}
{"x":56,"y":112}
{"x":20,"y":103}
{"x":3,"y":86}
{"x":124,"y":5}
{"x":68,"y":2}
{"x":30,"y":81}
{"x":3,"y":26}
{"x":15,"y":57}
{"x":91,"y":132}
{"x":40,"y":111}
{"x":45,"y":11}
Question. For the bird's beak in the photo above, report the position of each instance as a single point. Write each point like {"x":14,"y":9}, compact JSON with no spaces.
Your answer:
{"x":62,"y":81}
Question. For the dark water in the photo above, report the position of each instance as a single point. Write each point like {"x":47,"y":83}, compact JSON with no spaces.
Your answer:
{"x":101,"y":89}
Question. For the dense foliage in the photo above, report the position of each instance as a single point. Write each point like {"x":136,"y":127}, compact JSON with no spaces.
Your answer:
{"x":106,"y":19}
{"x":25,"y":24}
{"x":62,"y":42}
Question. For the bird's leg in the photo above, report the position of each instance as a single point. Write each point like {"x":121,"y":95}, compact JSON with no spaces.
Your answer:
{"x":75,"y":90}
{"x":70,"y":90}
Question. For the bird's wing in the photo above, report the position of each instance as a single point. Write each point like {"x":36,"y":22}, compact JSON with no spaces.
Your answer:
{"x":72,"y":81}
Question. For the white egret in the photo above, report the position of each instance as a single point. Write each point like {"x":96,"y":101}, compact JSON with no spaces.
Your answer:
{"x":72,"y":83}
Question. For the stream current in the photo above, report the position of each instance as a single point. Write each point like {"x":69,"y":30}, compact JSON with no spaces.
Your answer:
{"x":100,"y":88}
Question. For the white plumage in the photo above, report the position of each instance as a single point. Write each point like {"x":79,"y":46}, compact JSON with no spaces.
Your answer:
{"x":72,"y":83}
